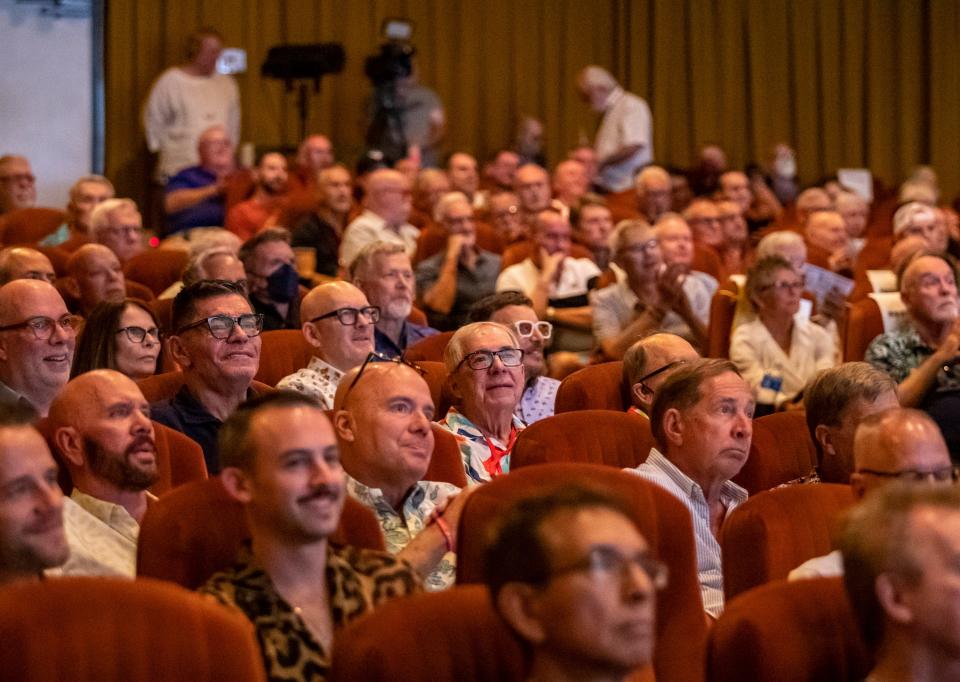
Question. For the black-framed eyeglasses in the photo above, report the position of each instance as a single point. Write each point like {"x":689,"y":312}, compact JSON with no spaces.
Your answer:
{"x":524,"y":328}
{"x":222,"y":326}
{"x":348,"y":316}
{"x":604,"y":562}
{"x":374,"y":356}
{"x":138,"y":334}
{"x":483,"y":359}
{"x":660,"y":370}
{"x":949,"y":474}
{"x":42,"y":327}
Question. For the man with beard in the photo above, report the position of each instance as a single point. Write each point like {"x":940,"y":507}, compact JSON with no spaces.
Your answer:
{"x":382,"y":271}
{"x":323,"y":227}
{"x":280,"y":460}
{"x":515,"y":310}
{"x":248,"y":217}
{"x":100,"y":424}
{"x":31,"y":502}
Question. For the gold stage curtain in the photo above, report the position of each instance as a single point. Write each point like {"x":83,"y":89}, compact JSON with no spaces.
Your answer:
{"x":853,"y":83}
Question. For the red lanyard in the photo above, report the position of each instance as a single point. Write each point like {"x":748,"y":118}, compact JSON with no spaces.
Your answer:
{"x":492,"y":465}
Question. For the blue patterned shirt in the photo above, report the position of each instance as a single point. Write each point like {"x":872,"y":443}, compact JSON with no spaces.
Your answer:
{"x":473,"y":445}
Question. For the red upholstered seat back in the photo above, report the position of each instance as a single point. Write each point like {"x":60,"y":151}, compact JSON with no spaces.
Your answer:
{"x":446,"y":463}
{"x":156,"y":269}
{"x":771,"y":534}
{"x":591,"y":436}
{"x":284,"y":351}
{"x":30,"y":225}
{"x":862,"y":324}
{"x":165,"y":386}
{"x":197,"y":530}
{"x":722,"y":309}
{"x":520,"y":251}
{"x":108,"y":629}
{"x":802,"y":631}
{"x":781,"y":450}
{"x":595,"y":387}
{"x":663,"y":521}
{"x":451,"y":635}
{"x":429,"y":348}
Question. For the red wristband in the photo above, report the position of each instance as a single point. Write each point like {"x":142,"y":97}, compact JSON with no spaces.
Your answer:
{"x":445,"y":529}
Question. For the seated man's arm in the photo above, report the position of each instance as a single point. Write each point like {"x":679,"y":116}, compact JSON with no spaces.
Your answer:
{"x":915,"y":385}
{"x":181,"y":199}
{"x":616,"y":344}
{"x":426,"y":550}
{"x":441,"y":294}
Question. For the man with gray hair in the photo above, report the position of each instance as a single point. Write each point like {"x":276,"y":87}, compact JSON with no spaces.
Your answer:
{"x":916,"y":219}
{"x":118,"y":225}
{"x":85,"y":194}
{"x":387,"y":206}
{"x":624,"y":139}
{"x":382,"y":271}
{"x":22,"y":262}
{"x":451,"y":281}
{"x":836,"y":400}
{"x":654,"y":193}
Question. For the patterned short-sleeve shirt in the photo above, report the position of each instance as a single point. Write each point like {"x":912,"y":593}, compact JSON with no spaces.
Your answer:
{"x":318,"y":379}
{"x":474,"y":448}
{"x":898,"y":352}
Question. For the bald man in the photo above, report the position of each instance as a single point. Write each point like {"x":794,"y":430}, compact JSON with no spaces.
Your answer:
{"x":94,"y":276}
{"x":650,"y":362}
{"x":897,"y":444}
{"x":18,"y":185}
{"x":21,"y":262}
{"x":338,"y":321}
{"x":31,"y":502}
{"x":100,"y":424}
{"x":570,"y":182}
{"x":387,"y":206}
{"x":37,"y":338}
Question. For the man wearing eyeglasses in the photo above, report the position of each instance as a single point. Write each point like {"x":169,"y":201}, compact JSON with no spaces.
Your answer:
{"x":21,"y":262}
{"x":100,"y":424}
{"x":216,"y":342}
{"x":18,"y":185}
{"x":652,"y":296}
{"x":273,"y":282}
{"x":895,"y":445}
{"x":571,"y":575}
{"x":37,"y":338}
{"x":515,"y":310}
{"x":94,"y":276}
{"x":118,"y":225}
{"x":648,"y":363}
{"x":338,"y":321}
{"x":450,"y":282}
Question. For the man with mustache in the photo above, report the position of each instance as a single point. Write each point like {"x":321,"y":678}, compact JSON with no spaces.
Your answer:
{"x":31,"y":502}
{"x":920,"y":356}
{"x":280,"y":459}
{"x":383,"y":272}
{"x":100,"y":424}
{"x":337,"y":320}
{"x":702,"y":421}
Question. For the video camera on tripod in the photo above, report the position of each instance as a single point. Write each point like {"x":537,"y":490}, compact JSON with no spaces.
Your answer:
{"x":385,"y":69}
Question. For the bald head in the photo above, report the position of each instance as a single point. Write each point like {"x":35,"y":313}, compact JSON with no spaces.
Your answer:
{"x":20,"y":262}
{"x":83,"y":396}
{"x":95,"y":276}
{"x":648,"y":355}
{"x":343,"y":339}
{"x":388,"y":195}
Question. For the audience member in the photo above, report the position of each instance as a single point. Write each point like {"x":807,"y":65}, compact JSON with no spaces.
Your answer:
{"x":594,"y":224}
{"x":587,"y":155}
{"x":100,"y":424}
{"x":529,"y":141}
{"x":895,"y":445}
{"x":94,"y":275}
{"x":811,"y":201}
{"x":624,"y":139}
{"x":736,"y":238}
{"x":675,"y":240}
{"x":215,"y":263}
{"x":31,"y":501}
{"x":186,"y":100}
{"x":451,"y":281}
{"x":272,"y":280}
{"x":37,"y":338}
{"x":827,"y":241}
{"x":532,"y":187}
{"x":855,"y":212}
{"x":195,"y":196}
{"x":504,"y":212}
{"x":463,"y":175}
{"x":513,"y":309}
{"x":557,"y":283}
{"x":280,"y":460}
{"x":430,"y":185}
{"x":386,"y":210}
{"x":758,"y":205}
{"x":711,"y":163}
{"x":899,"y":556}
{"x":85,"y":194}
{"x":648,"y":363}
{"x":703,"y":217}
{"x":570,"y":183}
{"x":786,"y":244}
{"x":270,"y":192}
{"x":916,"y":219}
{"x":501,"y":170}
{"x":920,"y":354}
{"x":123,"y":336}
{"x":654,"y":193}
{"x":681,"y":194}
{"x":836,"y":400}
{"x":118,"y":225}
{"x":650,"y":297}
{"x":216,"y":342}
{"x":386,"y":443}
{"x":382,"y":271}
{"x":777,"y":353}
{"x":322,"y":229}
{"x":314,"y":155}
{"x":338,"y":321}
{"x":702,"y":421}
{"x":485,"y":368}
{"x":18,"y":184}
{"x":782,"y":173}
{"x":575,"y":580}
{"x":22,"y":262}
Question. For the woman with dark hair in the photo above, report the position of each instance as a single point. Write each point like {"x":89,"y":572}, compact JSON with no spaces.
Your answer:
{"x":121,"y":335}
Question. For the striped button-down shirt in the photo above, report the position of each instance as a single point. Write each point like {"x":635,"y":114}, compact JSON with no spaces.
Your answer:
{"x":658,"y":469}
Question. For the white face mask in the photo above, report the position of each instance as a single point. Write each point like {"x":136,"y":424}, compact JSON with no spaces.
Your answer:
{"x":785,"y":166}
